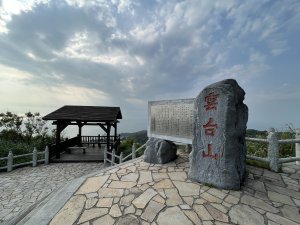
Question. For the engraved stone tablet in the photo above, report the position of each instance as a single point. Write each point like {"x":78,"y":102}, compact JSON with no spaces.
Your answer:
{"x":219,"y":150}
{"x":171,"y":120}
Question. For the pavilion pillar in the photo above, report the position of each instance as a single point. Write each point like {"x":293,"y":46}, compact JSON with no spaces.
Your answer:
{"x":59,"y":128}
{"x":108,"y":135}
{"x":80,"y":125}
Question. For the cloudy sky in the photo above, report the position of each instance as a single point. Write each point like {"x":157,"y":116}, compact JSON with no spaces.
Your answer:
{"x":127,"y":52}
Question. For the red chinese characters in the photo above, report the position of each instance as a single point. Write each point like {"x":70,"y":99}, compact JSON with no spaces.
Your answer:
{"x":210,"y":127}
{"x":209,"y":153}
{"x":211,"y":101}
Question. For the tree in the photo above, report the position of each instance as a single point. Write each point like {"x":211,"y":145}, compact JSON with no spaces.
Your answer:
{"x":34,"y":126}
{"x":11,"y":121}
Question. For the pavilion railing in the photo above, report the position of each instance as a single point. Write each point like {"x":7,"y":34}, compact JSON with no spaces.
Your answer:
{"x":97,"y":139}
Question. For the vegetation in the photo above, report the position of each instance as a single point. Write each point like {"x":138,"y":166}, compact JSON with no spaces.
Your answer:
{"x":20,"y":134}
{"x":261,"y":149}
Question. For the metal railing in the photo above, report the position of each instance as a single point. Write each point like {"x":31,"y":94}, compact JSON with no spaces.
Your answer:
{"x":120,"y":157}
{"x":10,"y":159}
{"x":273,"y":149}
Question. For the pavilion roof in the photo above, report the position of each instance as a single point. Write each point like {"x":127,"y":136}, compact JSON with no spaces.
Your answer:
{"x":85,"y":113}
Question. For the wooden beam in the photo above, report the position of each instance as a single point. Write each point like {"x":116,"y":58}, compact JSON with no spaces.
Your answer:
{"x":103,"y":127}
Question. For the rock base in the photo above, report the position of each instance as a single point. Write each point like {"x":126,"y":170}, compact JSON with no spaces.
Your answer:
{"x":159,"y":151}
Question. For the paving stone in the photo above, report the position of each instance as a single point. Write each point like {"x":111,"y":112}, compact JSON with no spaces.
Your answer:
{"x":144,"y":187}
{"x":138,"y":212}
{"x":126,"y":200}
{"x":173,"y":197}
{"x":145,"y":177}
{"x":110,"y":192}
{"x":113,"y":177}
{"x":187,"y":189}
{"x":188,"y":200}
{"x":284,"y":191}
{"x":185,"y":207}
{"x":272,"y":175}
{"x":256,"y":185}
{"x":259,"y":210}
{"x":91,"y":195}
{"x":152,"y":210}
{"x":181,"y":176}
{"x":72,"y":208}
{"x":160,"y":176}
{"x":219,"y":207}
{"x":216,"y":214}
{"x":116,"y":200}
{"x":159,"y":199}
{"x":279,"y":219}
{"x":244,"y":215}
{"x":141,"y":201}
{"x":297,"y":202}
{"x":192,"y":216}
{"x":172,"y":216}
{"x":202,"y":212}
{"x":200,"y":201}
{"x":93,"y":213}
{"x":210,"y":198}
{"x":130,"y":177}
{"x":115,"y":211}
{"x":276,"y":197}
{"x":249,"y":200}
{"x":92,"y":184}
{"x":217,"y":193}
{"x":129,"y":210}
{"x":90,"y":202}
{"x":105,"y":202}
{"x":128,"y":220}
{"x":107,"y":220}
{"x":122,"y":184}
{"x":163,"y":184}
{"x":291,"y":213}
{"x":261,"y":195}
{"x":270,"y":222}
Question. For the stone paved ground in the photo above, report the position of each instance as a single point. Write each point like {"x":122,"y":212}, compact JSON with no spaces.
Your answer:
{"x":22,"y":187}
{"x":141,"y":193}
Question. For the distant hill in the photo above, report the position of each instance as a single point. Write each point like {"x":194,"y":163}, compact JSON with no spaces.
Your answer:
{"x":140,"y":136}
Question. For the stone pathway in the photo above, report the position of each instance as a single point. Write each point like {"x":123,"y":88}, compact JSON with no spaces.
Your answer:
{"x":23,"y":187}
{"x":139,"y":193}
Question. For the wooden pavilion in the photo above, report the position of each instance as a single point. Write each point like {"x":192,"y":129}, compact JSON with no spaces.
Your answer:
{"x":104,"y":117}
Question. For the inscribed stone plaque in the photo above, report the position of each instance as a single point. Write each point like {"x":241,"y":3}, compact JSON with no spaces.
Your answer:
{"x":219,"y":150}
{"x":171,"y":120}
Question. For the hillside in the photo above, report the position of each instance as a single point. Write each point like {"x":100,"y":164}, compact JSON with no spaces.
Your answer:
{"x":139,"y":136}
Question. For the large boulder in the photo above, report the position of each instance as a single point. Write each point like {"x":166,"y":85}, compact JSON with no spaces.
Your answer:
{"x":159,"y":151}
{"x":219,"y":150}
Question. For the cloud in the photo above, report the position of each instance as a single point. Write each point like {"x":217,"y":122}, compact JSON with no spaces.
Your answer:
{"x":132,"y":51}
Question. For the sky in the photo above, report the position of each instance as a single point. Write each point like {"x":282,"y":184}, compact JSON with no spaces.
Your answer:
{"x":128,"y":52}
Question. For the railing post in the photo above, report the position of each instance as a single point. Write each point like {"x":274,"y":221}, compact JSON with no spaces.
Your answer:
{"x":113,"y":157}
{"x":273,"y":150}
{"x":105,"y":154}
{"x":47,"y":155}
{"x":10,"y":160}
{"x":297,"y":147}
{"x":121,"y":157}
{"x":133,"y":150}
{"x":34,"y":157}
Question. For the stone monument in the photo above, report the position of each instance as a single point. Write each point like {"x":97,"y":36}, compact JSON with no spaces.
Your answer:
{"x":219,"y":148}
